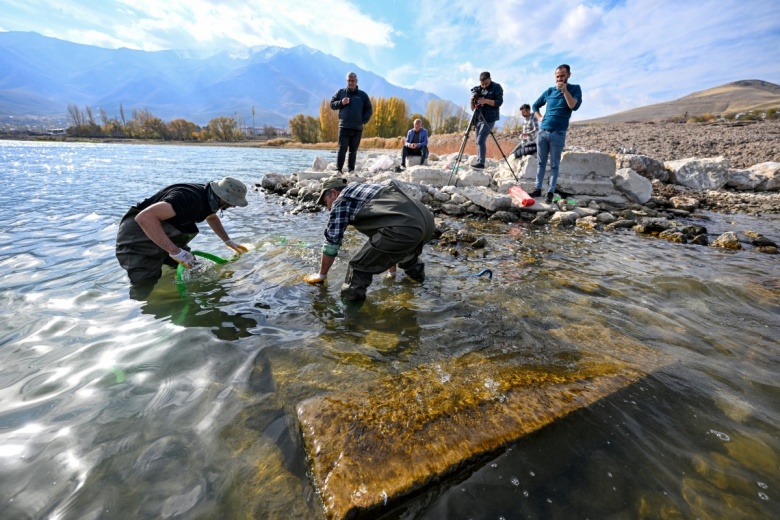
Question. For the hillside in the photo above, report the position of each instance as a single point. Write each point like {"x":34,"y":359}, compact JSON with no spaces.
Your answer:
{"x":42,"y":76}
{"x":739,"y":96}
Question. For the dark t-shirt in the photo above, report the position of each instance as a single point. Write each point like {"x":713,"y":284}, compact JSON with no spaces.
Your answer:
{"x":189,"y":201}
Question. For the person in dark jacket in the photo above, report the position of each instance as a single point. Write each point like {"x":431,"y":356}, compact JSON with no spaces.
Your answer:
{"x":396,"y":224}
{"x":355,"y":110}
{"x":156,"y":231}
{"x":487,"y":98}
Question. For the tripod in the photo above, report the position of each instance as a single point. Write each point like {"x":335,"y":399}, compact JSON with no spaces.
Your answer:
{"x":476,"y":117}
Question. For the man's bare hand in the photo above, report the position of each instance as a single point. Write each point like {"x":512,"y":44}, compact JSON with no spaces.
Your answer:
{"x":345,"y":101}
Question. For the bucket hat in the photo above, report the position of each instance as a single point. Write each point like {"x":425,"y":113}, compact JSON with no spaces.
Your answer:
{"x":329,"y":184}
{"x":231,"y":190}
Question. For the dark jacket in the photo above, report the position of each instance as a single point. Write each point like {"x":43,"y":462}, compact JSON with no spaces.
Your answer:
{"x":496,"y":93}
{"x":357,"y":112}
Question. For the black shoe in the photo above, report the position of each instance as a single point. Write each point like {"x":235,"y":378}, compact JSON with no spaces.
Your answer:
{"x":478,"y":166}
{"x":549,"y":197}
{"x":536,"y":193}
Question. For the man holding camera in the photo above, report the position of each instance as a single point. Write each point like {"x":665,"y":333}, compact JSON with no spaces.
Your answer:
{"x":486,"y":98}
{"x":561,"y":101}
{"x":355,"y":110}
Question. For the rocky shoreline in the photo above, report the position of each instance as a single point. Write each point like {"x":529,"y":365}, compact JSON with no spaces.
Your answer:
{"x":597,"y":189}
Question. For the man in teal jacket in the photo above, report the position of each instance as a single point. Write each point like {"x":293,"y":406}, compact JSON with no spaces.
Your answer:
{"x":561,"y":101}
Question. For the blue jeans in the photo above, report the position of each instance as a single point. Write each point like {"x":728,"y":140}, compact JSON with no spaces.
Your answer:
{"x":483,"y":131}
{"x":549,"y":142}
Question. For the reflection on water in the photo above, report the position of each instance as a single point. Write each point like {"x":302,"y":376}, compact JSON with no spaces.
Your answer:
{"x":180,"y":404}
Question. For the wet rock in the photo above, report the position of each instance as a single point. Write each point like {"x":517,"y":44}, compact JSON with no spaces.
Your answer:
{"x":759,"y":240}
{"x":606,"y":218}
{"x":772,"y":250}
{"x":673,"y":235}
{"x":480,"y":243}
{"x":449,"y":236}
{"x":466,"y":237}
{"x":728,"y":240}
{"x":693,"y":230}
{"x":504,"y":216}
{"x":381,"y":440}
{"x":649,"y":225}
{"x":564,"y":218}
{"x":700,"y":240}
{"x":622,"y":224}
{"x":588,"y":223}
{"x":275,"y":182}
{"x":453,"y":209}
{"x":684,"y":203}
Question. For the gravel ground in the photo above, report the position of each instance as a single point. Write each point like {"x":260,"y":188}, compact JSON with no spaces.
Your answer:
{"x":743,"y":143}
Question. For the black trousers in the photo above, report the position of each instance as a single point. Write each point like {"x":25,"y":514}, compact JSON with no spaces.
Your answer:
{"x":349,"y":138}
{"x":406,"y":152}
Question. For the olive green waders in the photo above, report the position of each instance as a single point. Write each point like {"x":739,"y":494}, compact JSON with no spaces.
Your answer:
{"x":139,"y":256}
{"x":397,"y":226}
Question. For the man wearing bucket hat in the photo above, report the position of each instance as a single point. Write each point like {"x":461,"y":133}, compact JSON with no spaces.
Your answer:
{"x":156,"y":231}
{"x":397,"y":226}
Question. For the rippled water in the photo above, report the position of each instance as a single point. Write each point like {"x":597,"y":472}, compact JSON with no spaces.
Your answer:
{"x":116,"y":408}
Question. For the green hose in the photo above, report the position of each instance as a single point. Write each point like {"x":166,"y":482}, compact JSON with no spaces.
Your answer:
{"x":208,"y":256}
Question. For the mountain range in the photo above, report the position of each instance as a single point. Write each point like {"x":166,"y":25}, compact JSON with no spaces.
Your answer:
{"x":735,"y":97}
{"x":41,"y":76}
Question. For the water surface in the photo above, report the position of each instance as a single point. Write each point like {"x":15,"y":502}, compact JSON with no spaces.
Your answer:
{"x":178,"y":405}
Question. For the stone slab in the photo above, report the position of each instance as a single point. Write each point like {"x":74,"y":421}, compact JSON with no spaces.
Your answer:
{"x":383,"y":439}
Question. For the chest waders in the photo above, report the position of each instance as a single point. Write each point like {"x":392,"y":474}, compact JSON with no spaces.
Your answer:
{"x":397,"y":226}
{"x":139,"y":256}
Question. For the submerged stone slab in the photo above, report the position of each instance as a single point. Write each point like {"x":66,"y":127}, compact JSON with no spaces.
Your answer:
{"x":385,"y":438}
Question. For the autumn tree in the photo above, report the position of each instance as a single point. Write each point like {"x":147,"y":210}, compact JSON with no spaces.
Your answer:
{"x":389,"y":118}
{"x":329,"y":122}
{"x":437,"y":112}
{"x":305,"y":129}
{"x":223,"y":129}
{"x":183,"y":130}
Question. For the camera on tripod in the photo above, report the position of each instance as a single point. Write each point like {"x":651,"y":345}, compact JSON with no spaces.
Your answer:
{"x":478,"y":92}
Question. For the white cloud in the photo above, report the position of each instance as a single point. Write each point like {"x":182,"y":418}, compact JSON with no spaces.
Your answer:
{"x":234,"y":23}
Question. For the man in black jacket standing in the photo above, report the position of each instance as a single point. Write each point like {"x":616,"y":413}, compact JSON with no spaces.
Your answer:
{"x":355,"y":110}
{"x":487,"y":97}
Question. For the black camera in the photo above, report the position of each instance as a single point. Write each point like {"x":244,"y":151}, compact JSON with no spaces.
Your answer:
{"x":478,"y":91}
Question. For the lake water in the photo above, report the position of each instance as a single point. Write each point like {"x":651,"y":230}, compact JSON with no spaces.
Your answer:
{"x":112,"y":407}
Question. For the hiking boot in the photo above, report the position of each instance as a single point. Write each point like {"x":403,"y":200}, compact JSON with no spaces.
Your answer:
{"x":549,"y":197}
{"x":536,"y":193}
{"x":478,"y":166}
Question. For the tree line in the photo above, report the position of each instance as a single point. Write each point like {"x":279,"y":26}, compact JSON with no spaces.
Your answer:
{"x":391,"y":118}
{"x":142,"y":124}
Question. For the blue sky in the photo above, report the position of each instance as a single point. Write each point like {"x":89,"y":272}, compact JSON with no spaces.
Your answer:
{"x":624,"y":54}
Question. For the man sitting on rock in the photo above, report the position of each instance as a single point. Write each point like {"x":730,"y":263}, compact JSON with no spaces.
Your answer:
{"x":527,"y":144}
{"x":416,"y":143}
{"x":397,"y":226}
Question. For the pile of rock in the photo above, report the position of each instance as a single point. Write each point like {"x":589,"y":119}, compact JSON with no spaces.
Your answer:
{"x":596,"y":190}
